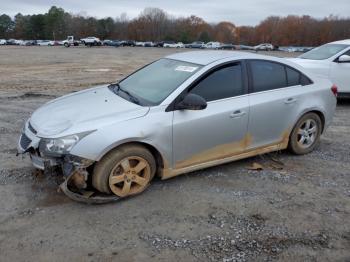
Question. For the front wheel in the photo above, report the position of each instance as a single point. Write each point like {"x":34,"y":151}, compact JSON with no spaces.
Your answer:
{"x":125,"y":171}
{"x":306,"y":134}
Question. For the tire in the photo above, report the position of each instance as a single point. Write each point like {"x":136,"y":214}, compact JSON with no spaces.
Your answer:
{"x":66,"y":44}
{"x":112,"y":167}
{"x":306,"y":134}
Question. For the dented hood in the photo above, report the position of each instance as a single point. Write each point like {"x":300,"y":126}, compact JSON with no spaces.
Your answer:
{"x":83,"y":111}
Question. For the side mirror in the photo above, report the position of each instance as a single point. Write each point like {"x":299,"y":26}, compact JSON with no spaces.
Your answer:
{"x":192,"y":102}
{"x":344,"y":58}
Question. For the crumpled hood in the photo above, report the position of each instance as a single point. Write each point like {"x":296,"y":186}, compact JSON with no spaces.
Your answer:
{"x":319,"y":67}
{"x":83,"y":111}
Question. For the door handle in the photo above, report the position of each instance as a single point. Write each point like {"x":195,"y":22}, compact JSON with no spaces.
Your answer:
{"x":290,"y":100}
{"x":237,"y":113}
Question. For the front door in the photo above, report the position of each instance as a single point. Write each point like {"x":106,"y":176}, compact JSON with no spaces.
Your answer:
{"x":219,"y":131}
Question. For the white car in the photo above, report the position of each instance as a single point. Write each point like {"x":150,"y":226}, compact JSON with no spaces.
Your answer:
{"x":2,"y":42}
{"x":91,"y":40}
{"x":174,"y":45}
{"x":43,"y":42}
{"x":264,"y":47}
{"x":212,"y":45}
{"x":331,"y":60}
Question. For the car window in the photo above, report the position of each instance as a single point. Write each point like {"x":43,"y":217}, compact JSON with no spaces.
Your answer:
{"x":296,"y":78}
{"x":224,"y":82}
{"x":267,"y":75}
{"x":293,"y":77}
{"x":305,"y":80}
{"x":324,"y":51}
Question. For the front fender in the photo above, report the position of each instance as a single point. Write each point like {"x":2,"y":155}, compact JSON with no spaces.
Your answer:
{"x":154,"y":129}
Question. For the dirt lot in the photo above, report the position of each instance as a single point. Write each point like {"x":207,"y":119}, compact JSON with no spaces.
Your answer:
{"x":226,"y":213}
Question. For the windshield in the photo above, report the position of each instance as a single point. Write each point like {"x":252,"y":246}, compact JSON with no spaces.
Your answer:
{"x":323,"y":52}
{"x":153,"y":83}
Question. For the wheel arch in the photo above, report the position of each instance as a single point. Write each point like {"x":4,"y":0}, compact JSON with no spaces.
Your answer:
{"x":321,"y":116}
{"x":159,"y":158}
{"x":315,"y":111}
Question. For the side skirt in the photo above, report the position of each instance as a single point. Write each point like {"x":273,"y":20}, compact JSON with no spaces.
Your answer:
{"x":168,"y":173}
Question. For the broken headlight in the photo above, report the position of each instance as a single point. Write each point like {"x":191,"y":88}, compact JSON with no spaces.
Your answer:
{"x":62,"y":145}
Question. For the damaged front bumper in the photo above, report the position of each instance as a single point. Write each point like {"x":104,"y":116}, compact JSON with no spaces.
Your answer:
{"x":76,"y":183}
{"x":76,"y":177}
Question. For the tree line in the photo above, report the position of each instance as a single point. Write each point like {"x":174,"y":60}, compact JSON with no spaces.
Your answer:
{"x":154,"y":24}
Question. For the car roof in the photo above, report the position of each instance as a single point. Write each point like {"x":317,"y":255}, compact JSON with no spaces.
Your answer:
{"x":208,"y":57}
{"x":344,"y":42}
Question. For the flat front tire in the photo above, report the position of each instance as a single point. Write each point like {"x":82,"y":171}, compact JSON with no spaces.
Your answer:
{"x":124,"y":171}
{"x":306,"y":134}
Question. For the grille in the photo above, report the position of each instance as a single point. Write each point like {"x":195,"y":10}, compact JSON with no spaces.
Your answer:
{"x":31,"y":128}
{"x":25,"y":141}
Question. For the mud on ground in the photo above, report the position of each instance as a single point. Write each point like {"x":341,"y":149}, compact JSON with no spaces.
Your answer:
{"x":227,"y":213}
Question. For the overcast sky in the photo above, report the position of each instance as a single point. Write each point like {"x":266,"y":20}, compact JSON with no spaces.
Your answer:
{"x":240,"y":12}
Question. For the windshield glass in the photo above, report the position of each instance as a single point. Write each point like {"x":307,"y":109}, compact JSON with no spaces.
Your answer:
{"x":323,"y":52}
{"x":153,"y":83}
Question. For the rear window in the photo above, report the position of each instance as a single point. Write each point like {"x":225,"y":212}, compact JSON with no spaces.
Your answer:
{"x":293,"y":77}
{"x":268,"y":75}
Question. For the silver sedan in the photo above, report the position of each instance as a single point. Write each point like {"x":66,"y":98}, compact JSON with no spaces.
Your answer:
{"x":185,"y":112}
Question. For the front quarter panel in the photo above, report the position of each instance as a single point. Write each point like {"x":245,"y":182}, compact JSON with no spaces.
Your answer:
{"x":154,"y":129}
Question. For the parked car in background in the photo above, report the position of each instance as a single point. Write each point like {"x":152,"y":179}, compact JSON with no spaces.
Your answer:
{"x":2,"y":42}
{"x":30,"y":42}
{"x":245,"y":47}
{"x":54,"y":43}
{"x":196,"y":44}
{"x":227,"y":47}
{"x":331,"y":60}
{"x":148,"y":44}
{"x":174,"y":45}
{"x":19,"y":42}
{"x":43,"y":42}
{"x":11,"y":42}
{"x":212,"y":45}
{"x":140,"y":44}
{"x":264,"y":47}
{"x":128,"y":43}
{"x":115,"y":43}
{"x":185,"y":112}
{"x":91,"y":41}
{"x":161,"y":43}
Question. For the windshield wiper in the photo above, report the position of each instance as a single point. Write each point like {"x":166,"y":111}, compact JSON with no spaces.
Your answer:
{"x":116,"y":88}
{"x":132,"y":98}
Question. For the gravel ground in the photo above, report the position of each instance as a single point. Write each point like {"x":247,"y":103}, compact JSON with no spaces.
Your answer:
{"x":296,"y":209}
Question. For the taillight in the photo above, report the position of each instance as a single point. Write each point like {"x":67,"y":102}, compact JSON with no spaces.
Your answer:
{"x":334,"y":89}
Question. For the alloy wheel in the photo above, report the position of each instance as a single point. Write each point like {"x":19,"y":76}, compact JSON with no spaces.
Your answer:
{"x":307,"y":133}
{"x":130,"y":176}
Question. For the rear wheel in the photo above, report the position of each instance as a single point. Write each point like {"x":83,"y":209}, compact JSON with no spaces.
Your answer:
{"x":124,"y":171}
{"x":306,"y":134}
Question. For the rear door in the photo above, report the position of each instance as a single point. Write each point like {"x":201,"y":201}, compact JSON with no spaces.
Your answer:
{"x":340,"y":75}
{"x":275,"y":93}
{"x":218,"y":131}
